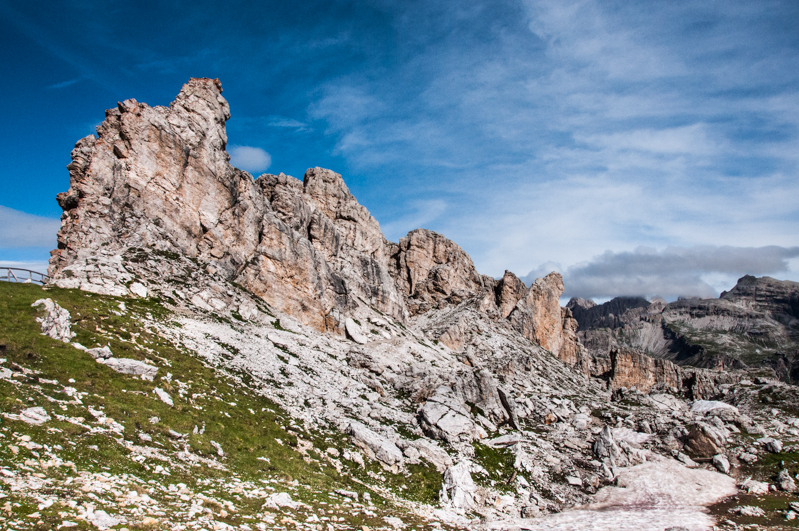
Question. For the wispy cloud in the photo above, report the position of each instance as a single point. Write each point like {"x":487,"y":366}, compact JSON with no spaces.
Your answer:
{"x":18,"y":229}
{"x":64,"y":84}
{"x":288,"y":123}
{"x":415,"y":215}
{"x":571,"y":127}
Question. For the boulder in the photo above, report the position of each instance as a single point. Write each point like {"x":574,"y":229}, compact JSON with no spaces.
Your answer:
{"x":770,"y":444}
{"x":375,"y":446}
{"x":705,"y":440}
{"x":443,"y":416}
{"x":354,"y":331}
{"x":131,"y":367}
{"x":430,"y":451}
{"x":55,"y":323}
{"x":721,"y":463}
{"x":754,"y":487}
{"x":785,"y":481}
{"x":458,"y":489}
{"x":100,"y":353}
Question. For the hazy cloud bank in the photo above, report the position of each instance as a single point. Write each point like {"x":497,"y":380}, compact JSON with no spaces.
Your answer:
{"x":18,"y":229}
{"x":696,"y":271}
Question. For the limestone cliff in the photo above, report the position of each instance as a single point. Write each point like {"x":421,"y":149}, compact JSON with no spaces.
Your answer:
{"x":754,"y":324}
{"x":158,"y":179}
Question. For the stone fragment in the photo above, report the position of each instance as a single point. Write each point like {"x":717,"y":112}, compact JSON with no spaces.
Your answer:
{"x":101,"y":519}
{"x":770,"y":444}
{"x":785,"y":481}
{"x":56,"y":323}
{"x":458,"y":489}
{"x":280,"y":499}
{"x":754,"y":487}
{"x":431,"y":452}
{"x":34,"y":415}
{"x":347,"y":494}
{"x":444,"y":416}
{"x":138,"y":289}
{"x":574,"y":481}
{"x":133,"y":368}
{"x":605,"y":446}
{"x":711,"y":406}
{"x":394,"y":522}
{"x":374,"y":445}
{"x":218,"y":448}
{"x":687,"y":461}
{"x":354,"y":331}
{"x":705,"y":440}
{"x":721,"y":463}
{"x":747,"y":510}
{"x":100,"y":352}
{"x":164,"y":396}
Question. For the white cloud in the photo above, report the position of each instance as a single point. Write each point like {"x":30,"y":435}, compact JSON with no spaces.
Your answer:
{"x":252,"y":159}
{"x":18,"y":229}
{"x":694,"y":271}
{"x":288,"y":123}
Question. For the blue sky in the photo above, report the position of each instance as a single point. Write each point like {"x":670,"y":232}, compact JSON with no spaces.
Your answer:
{"x":637,"y":147}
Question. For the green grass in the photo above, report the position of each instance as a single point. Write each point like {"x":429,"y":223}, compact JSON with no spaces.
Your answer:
{"x":498,"y":462}
{"x":244,"y":436}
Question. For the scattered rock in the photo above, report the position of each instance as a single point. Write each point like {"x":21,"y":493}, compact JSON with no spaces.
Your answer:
{"x":164,"y":396}
{"x":458,"y":489}
{"x":136,"y":368}
{"x":56,"y":323}
{"x":34,"y":415}
{"x":721,"y":463}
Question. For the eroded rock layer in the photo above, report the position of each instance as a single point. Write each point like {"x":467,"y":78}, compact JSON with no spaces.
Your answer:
{"x":159,"y":179}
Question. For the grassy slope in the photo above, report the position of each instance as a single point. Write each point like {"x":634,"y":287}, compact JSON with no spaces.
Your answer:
{"x":246,"y":425}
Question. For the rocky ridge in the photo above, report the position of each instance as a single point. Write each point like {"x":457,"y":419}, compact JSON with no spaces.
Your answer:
{"x":753,"y":325}
{"x":426,"y":362}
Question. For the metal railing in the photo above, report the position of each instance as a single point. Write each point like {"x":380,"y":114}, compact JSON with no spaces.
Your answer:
{"x":26,"y":276}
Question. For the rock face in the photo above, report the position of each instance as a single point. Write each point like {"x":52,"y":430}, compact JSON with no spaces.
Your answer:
{"x":633,"y":369}
{"x":509,"y":291}
{"x":754,"y":324}
{"x":539,"y":317}
{"x":432,"y":271}
{"x":157,"y":181}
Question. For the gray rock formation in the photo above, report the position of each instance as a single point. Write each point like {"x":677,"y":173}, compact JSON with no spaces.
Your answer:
{"x":157,"y":181}
{"x":754,"y":324}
